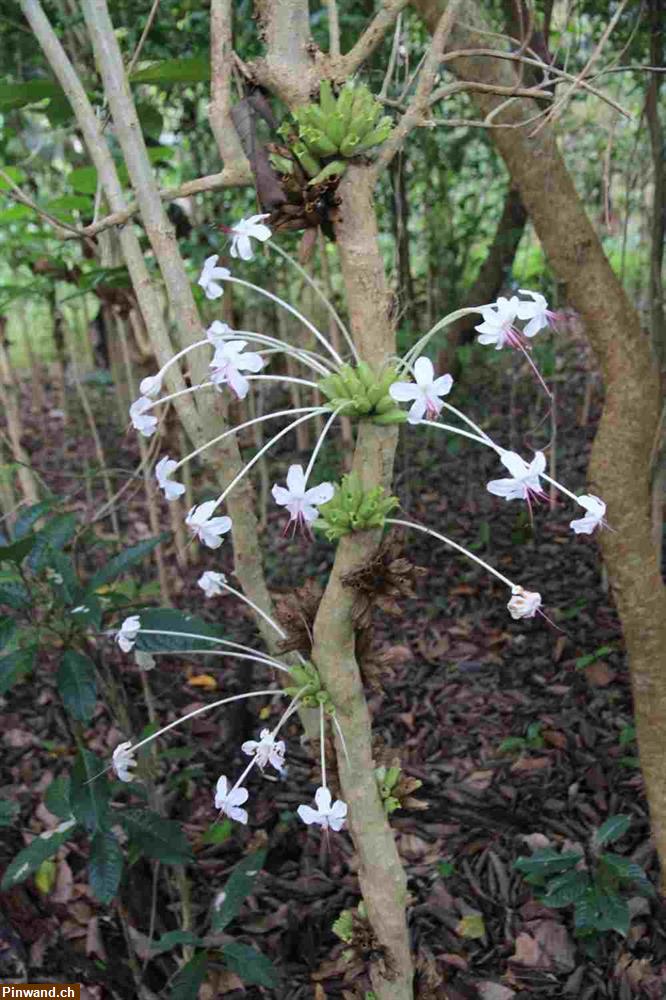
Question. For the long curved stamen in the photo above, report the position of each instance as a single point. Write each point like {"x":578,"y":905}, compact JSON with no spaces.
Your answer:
{"x":281,"y":378}
{"x":456,"y":430}
{"x":453,"y":545}
{"x":265,"y":658}
{"x":310,"y":358}
{"x":248,"y":423}
{"x":263,"y":450}
{"x":320,"y":442}
{"x":321,"y":744}
{"x":421,"y":343}
{"x":317,"y":290}
{"x":521,"y":347}
{"x":267,"y":618}
{"x":294,"y":312}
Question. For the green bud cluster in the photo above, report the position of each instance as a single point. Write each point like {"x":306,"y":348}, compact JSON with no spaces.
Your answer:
{"x":387,"y":780}
{"x":354,"y":509}
{"x":363,"y":394}
{"x":336,"y":129}
{"x":306,"y":676}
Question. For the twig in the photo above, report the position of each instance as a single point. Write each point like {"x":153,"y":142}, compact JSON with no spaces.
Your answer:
{"x":371,"y":37}
{"x":144,"y":35}
{"x":333,"y":28}
{"x":419,"y":102}
{"x":393,"y":58}
{"x":221,"y":64}
{"x":17,"y":195}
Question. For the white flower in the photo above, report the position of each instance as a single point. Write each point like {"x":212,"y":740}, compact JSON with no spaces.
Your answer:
{"x":228,"y":362}
{"x":151,"y":386}
{"x":229,"y":801}
{"x":243,"y":231}
{"x":524,"y":603}
{"x":498,"y":319}
{"x":123,"y":760}
{"x":596,"y":509}
{"x":300,"y":502}
{"x":524,"y":483}
{"x":325,"y":815}
{"x":163,"y":470}
{"x":216,"y":331}
{"x":127,"y":633}
{"x":142,"y":421}
{"x":426,"y":391}
{"x":212,"y":583}
{"x":205,"y":527}
{"x":537,"y":312}
{"x":267,"y":750}
{"x":211,"y":276}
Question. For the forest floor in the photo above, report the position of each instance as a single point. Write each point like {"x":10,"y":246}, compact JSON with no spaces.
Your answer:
{"x":453,"y":678}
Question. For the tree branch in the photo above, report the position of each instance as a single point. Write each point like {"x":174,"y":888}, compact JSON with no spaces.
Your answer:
{"x":371,"y":38}
{"x":221,"y":62}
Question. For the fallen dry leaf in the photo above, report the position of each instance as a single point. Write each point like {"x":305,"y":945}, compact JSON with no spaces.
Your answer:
{"x":206,"y":681}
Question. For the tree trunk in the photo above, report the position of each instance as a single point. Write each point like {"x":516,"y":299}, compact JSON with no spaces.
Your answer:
{"x":381,"y":874}
{"x":620,"y":463}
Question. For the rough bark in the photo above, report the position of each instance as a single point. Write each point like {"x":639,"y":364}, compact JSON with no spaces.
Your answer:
{"x":620,"y":462}
{"x":381,"y":874}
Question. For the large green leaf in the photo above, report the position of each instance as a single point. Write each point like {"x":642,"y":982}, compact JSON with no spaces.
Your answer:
{"x":54,"y":536}
{"x":17,"y":551}
{"x":14,"y":594}
{"x":566,"y":889}
{"x":8,"y":812}
{"x":105,"y":865}
{"x":170,"y":620}
{"x":250,"y":965}
{"x":83,"y":180}
{"x":7,"y":630}
{"x":189,"y":979}
{"x":156,"y":837}
{"x":15,"y":666}
{"x":77,"y":685}
{"x":546,"y":862}
{"x":614,"y":828}
{"x":29,"y":516}
{"x":30,"y":858}
{"x":239,"y":886}
{"x":195,"y":69}
{"x":16,"y":174}
{"x":57,"y":797}
{"x":123,"y":561}
{"x":172,"y":939}
{"x":90,"y":792}
{"x":18,"y":95}
{"x":613,"y":913}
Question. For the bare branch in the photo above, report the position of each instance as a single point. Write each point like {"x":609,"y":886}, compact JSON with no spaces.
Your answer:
{"x":221,"y":60}
{"x":393,"y":58}
{"x":62,"y":229}
{"x":371,"y":37}
{"x":418,"y":106}
{"x":144,"y":35}
{"x":333,"y":28}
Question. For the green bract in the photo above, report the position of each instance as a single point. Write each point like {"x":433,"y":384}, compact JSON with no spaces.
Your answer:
{"x":306,"y":676}
{"x":363,"y":393}
{"x":354,"y":509}
{"x":345,"y":126}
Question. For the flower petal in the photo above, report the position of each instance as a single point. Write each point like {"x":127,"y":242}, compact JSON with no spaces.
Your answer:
{"x":403,"y":392}
{"x":296,"y":480}
{"x":424,"y":372}
{"x":323,"y":799}
{"x":319,"y":494}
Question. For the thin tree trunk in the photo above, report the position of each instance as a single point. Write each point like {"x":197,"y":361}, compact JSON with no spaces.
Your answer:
{"x":381,"y":874}
{"x":620,"y":463}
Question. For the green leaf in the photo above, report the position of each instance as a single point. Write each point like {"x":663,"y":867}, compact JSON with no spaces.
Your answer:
{"x":17,"y":551}
{"x":128,"y":557}
{"x":57,"y":797}
{"x":172,"y":939}
{"x":8,"y":812}
{"x":614,"y":828}
{"x":171,"y":620}
{"x":15,"y":666}
{"x":77,"y":685}
{"x":216,"y":833}
{"x":30,"y":858}
{"x":14,"y":595}
{"x":195,"y":69}
{"x":189,"y":979}
{"x":627,"y":870}
{"x":16,"y":175}
{"x":90,"y":792}
{"x":7,"y":630}
{"x":250,"y":965}
{"x":83,"y":180}
{"x":15,"y":214}
{"x":445,"y":868}
{"x":546,"y":862}
{"x":238,"y":887}
{"x":18,"y":95}
{"x":156,"y":837}
{"x":613,"y":913}
{"x":54,"y":535}
{"x":105,"y":865}
{"x":566,"y":889}
{"x":29,"y":516}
